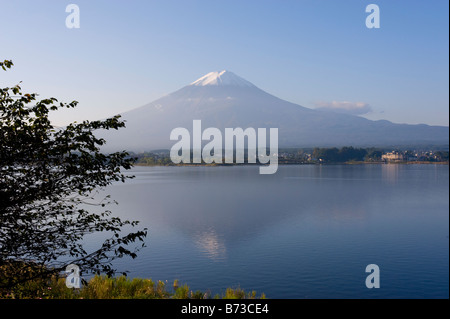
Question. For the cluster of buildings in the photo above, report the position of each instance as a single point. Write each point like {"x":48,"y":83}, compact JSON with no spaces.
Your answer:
{"x":408,"y":156}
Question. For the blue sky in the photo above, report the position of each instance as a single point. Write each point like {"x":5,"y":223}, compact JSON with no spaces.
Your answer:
{"x":313,"y":52}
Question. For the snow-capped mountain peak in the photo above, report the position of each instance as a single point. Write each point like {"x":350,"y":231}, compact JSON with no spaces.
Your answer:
{"x":224,"y":100}
{"x":222,"y":78}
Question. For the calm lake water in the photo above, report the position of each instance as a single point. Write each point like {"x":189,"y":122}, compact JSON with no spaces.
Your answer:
{"x":308,"y":231}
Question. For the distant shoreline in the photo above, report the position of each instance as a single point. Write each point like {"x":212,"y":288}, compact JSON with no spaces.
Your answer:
{"x":347,"y":155}
{"x":257,"y":164}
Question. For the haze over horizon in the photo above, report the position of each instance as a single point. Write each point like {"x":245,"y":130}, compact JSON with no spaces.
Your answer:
{"x":316,"y":54}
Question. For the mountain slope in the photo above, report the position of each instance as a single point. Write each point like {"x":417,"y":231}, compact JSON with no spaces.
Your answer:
{"x":223,"y":99}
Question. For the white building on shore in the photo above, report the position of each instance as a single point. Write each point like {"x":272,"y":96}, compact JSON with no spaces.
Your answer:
{"x":393,"y":157}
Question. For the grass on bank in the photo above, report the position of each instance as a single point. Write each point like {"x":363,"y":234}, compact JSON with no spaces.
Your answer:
{"x":103,"y":287}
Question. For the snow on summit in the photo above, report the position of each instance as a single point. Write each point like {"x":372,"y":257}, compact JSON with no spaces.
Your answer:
{"x":222,"y":78}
